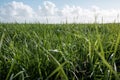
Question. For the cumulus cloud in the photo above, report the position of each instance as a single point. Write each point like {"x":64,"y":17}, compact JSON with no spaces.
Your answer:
{"x":48,"y":9}
{"x":16,"y":11}
{"x":49,"y":12}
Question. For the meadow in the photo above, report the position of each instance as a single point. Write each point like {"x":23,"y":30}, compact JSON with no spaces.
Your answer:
{"x":59,"y":51}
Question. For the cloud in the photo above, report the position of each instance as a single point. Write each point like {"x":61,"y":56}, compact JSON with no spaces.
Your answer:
{"x":48,"y":9}
{"x":49,"y":12}
{"x":16,"y":11}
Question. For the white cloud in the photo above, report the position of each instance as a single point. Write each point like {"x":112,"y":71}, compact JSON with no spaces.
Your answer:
{"x":49,"y":12}
{"x":16,"y":11}
{"x":48,"y":9}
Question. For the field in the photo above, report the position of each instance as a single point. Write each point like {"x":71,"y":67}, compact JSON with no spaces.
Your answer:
{"x":59,"y":51}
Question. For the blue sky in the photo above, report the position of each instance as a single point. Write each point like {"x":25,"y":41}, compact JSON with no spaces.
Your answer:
{"x":61,"y":3}
{"x":58,"y":10}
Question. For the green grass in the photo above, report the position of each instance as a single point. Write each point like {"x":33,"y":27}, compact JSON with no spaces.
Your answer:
{"x":59,"y":51}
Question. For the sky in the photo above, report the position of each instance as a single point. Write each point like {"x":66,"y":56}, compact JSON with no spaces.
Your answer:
{"x":59,"y":11}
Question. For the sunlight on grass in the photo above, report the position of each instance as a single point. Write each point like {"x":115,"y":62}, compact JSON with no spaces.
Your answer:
{"x":59,"y":51}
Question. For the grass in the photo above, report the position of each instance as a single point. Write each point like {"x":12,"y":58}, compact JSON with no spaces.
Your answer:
{"x":59,"y":51}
